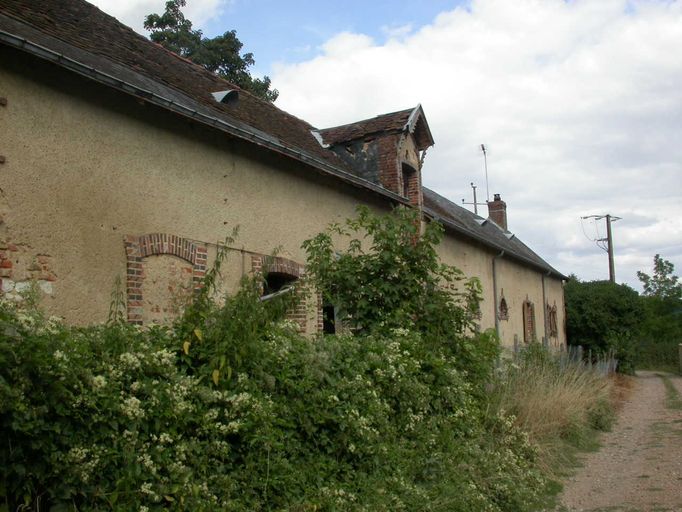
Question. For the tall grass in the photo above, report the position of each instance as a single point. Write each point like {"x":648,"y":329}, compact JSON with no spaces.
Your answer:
{"x":559,"y":403}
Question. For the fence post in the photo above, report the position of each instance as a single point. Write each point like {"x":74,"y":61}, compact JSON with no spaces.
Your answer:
{"x":680,"y":356}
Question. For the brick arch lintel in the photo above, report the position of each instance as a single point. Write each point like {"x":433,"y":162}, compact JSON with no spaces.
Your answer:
{"x":139,"y":247}
{"x":261,"y":263}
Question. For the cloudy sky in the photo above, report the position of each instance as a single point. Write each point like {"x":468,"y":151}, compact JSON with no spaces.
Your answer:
{"x":578,"y":101}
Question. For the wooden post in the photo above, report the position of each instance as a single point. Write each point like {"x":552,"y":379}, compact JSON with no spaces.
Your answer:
{"x":680,"y":356}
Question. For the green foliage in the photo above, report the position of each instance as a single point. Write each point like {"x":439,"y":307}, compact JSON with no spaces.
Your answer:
{"x":661,"y":325}
{"x":107,"y":418}
{"x":231,"y":409}
{"x":602,"y":316}
{"x":663,"y":284}
{"x":389,"y":276}
{"x":220,"y":55}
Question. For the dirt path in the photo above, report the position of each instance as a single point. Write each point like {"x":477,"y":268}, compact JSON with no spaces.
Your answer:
{"x":639,"y":467}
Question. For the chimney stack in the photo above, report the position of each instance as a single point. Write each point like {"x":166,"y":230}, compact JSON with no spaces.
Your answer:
{"x":497,"y":211}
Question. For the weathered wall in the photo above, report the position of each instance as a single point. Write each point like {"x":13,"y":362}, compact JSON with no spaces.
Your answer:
{"x":473,"y":261}
{"x":83,"y":171}
{"x":518,"y":283}
{"x":89,"y":175}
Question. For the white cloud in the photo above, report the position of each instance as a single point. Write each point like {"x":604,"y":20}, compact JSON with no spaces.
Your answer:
{"x":133,"y":12}
{"x":579,"y":103}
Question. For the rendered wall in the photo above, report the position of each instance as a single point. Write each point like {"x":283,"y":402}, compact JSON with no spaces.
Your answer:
{"x":85,"y":170}
{"x":88,"y":175}
{"x":473,"y":261}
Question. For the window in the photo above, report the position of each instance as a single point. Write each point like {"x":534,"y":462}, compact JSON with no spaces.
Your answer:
{"x":328,"y":319}
{"x":503,"y":310}
{"x":277,"y":281}
{"x":528,"y":322}
{"x":552,"y":324}
{"x":409,"y":180}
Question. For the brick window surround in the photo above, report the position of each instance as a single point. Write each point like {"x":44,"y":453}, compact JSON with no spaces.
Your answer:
{"x":139,"y":247}
{"x":263,"y":264}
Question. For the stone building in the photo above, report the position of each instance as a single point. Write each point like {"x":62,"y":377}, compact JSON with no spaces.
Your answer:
{"x":121,"y":159}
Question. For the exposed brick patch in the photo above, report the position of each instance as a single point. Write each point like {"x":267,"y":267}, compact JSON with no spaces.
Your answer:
{"x":139,"y":247}
{"x":389,"y":169}
{"x":21,"y":268}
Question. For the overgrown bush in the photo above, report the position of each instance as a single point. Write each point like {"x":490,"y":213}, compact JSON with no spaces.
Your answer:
{"x":604,"y":317}
{"x":390,"y":276}
{"x":231,"y":409}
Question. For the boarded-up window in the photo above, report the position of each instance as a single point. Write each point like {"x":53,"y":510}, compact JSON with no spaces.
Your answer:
{"x":167,"y":288}
{"x":529,"y":334}
{"x":552,"y":323}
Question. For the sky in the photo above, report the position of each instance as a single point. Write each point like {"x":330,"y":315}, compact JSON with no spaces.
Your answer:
{"x":579,"y":103}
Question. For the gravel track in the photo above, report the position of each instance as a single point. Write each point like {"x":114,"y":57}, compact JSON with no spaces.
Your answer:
{"x":639,"y":465}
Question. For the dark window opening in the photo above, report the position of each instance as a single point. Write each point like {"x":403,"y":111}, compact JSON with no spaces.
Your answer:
{"x":409,"y":175}
{"x":328,"y":319}
{"x":276,"y":281}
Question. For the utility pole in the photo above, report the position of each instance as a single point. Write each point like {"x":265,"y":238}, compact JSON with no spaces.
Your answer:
{"x":608,"y":241}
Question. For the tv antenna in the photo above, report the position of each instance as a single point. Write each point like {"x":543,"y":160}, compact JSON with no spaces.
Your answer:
{"x":485,"y":163}
{"x":475,"y":202}
{"x":605,"y":244}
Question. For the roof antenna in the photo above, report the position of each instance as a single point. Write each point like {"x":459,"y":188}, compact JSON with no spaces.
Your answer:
{"x":475,"y":203}
{"x":485,"y":161}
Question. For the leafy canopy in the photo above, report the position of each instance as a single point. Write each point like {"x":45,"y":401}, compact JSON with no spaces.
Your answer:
{"x":663,"y":283}
{"x":220,"y":54}
{"x":382,"y":272}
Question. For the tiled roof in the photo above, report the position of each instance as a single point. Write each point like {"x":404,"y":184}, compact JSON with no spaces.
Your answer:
{"x":78,"y":36}
{"x":466,"y":223}
{"x":411,"y":118}
{"x":393,"y":122}
{"x":80,"y":31}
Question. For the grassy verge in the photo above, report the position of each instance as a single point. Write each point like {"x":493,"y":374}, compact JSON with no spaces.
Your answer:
{"x":562,"y":405}
{"x":673,"y":400}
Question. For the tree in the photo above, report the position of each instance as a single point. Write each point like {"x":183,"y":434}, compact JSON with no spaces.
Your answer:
{"x":663,"y":284}
{"x":603,"y":316}
{"x":383,"y":275}
{"x":661,"y":325}
{"x":220,"y":54}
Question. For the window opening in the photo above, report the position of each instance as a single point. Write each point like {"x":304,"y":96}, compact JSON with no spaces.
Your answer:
{"x":409,"y":174}
{"x":503,"y":313}
{"x":552,"y":321}
{"x":277,"y":281}
{"x":528,"y":322}
{"x":328,"y":319}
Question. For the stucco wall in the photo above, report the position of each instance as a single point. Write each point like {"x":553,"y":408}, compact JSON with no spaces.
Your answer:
{"x":473,"y":261}
{"x":82,"y":171}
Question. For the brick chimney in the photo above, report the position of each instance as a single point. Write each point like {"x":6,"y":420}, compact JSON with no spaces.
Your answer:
{"x":497,"y":211}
